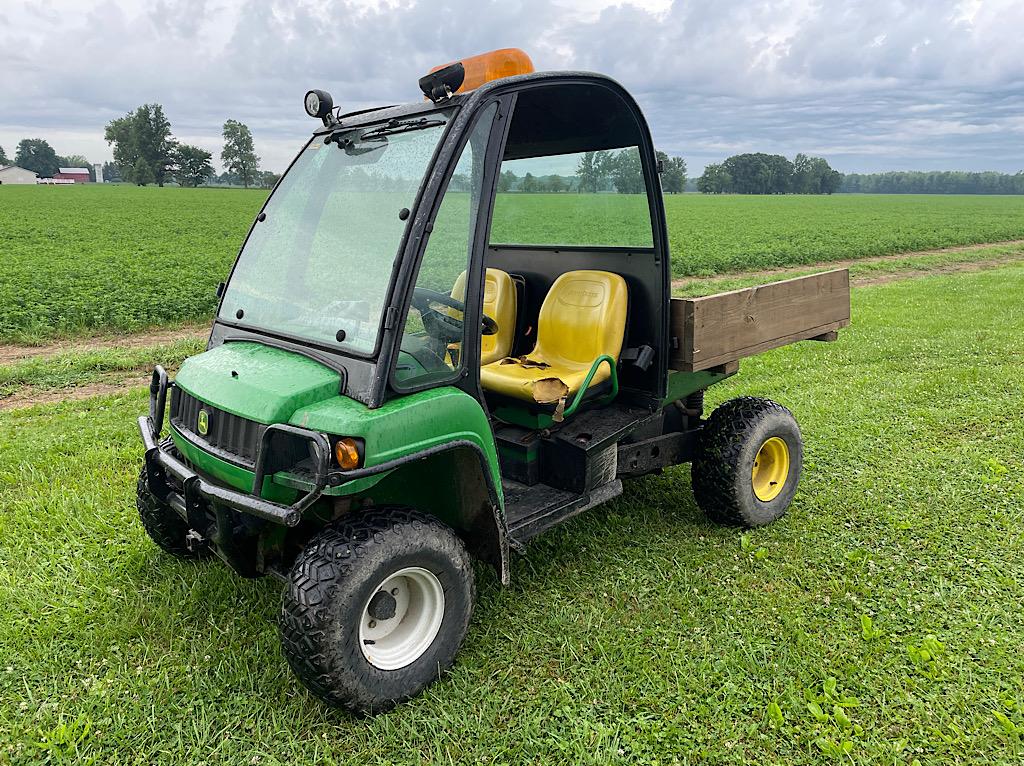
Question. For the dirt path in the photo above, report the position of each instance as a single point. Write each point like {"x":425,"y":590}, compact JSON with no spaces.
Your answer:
{"x":869,"y":279}
{"x":948,"y":268}
{"x":13,"y":352}
{"x":31,"y":397}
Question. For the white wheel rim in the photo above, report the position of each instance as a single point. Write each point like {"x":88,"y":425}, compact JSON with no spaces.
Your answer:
{"x":400,"y":640}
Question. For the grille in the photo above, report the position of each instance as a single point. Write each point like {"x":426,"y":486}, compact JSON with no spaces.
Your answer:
{"x":229,"y":436}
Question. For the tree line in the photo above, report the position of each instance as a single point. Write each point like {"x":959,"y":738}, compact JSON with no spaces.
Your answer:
{"x":602,"y":171}
{"x":770,"y":174}
{"x":145,"y":153}
{"x":933,"y":182}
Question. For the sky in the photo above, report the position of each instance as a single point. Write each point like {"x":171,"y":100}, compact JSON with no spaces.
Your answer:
{"x":871,"y":85}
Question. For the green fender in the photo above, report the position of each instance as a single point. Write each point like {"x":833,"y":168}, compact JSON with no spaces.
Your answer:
{"x":404,"y":426}
{"x":461,"y":486}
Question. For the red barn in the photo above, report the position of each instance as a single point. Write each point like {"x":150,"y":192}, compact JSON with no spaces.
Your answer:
{"x":78,"y":175}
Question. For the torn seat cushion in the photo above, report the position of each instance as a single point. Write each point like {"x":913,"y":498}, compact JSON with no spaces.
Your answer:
{"x":583,"y":317}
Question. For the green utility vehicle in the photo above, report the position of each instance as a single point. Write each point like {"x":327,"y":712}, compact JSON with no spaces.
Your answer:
{"x":414,"y":364}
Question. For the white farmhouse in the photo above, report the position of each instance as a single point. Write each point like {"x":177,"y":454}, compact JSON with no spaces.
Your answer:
{"x":12,"y":174}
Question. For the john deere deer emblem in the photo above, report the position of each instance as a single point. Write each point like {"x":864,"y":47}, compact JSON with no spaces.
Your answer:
{"x":203,"y":422}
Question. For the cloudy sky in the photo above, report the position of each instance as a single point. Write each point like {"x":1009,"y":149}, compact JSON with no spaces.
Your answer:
{"x":869,"y":84}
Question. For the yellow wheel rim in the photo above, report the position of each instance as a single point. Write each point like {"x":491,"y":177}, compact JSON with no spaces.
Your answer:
{"x":771,"y":469}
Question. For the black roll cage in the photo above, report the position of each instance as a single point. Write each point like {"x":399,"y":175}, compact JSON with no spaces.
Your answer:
{"x":368,"y":377}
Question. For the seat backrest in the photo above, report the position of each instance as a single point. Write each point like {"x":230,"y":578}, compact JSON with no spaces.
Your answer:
{"x":583,"y":316}
{"x":500,"y":305}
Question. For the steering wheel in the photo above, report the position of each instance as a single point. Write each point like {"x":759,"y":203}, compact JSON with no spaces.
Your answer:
{"x":441,"y":325}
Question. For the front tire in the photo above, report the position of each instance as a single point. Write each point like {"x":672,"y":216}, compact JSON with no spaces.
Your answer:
{"x":376,"y":607}
{"x":748,"y":463}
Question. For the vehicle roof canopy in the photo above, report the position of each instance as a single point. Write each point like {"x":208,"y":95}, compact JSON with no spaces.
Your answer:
{"x":575,"y":117}
{"x":588,"y":112}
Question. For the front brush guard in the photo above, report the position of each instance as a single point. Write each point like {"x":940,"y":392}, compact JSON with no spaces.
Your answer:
{"x":198,"y":492}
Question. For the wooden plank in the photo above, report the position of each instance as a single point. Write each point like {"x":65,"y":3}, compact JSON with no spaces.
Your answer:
{"x":721,"y":328}
{"x":827,"y":337}
{"x":727,"y":368}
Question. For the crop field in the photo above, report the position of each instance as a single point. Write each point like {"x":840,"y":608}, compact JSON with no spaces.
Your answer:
{"x":93,"y":259}
{"x":878,"y":622}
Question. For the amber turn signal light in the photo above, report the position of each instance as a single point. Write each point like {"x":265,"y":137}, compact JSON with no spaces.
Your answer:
{"x":346,"y":453}
{"x":494,"y":65}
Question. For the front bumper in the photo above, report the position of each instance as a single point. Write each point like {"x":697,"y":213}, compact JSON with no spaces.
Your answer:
{"x":198,"y":493}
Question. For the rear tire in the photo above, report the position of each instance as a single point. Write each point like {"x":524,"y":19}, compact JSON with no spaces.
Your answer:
{"x":748,"y":463}
{"x":376,"y":607}
{"x":163,"y":524}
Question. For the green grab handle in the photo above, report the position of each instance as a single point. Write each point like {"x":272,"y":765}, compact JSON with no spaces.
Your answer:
{"x":578,"y":399}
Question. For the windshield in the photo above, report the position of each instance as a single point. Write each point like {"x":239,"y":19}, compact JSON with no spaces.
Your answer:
{"x":319,"y":265}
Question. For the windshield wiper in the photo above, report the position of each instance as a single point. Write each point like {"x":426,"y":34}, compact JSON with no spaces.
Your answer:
{"x":391,"y":127}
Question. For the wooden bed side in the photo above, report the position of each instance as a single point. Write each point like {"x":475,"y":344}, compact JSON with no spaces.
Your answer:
{"x":718,"y":329}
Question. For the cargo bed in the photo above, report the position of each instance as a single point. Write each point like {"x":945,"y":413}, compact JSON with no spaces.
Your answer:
{"x":716,"y":331}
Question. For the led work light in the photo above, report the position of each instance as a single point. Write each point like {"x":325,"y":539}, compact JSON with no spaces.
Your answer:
{"x":319,"y":104}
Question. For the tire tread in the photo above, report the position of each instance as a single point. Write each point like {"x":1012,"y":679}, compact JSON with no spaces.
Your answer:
{"x":319,"y":572}
{"x":723,"y":438}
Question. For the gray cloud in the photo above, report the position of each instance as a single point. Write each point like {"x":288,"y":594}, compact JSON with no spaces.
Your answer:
{"x":871,"y":85}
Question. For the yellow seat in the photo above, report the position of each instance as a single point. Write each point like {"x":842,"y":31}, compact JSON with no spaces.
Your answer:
{"x":583,"y":317}
{"x":499,"y":305}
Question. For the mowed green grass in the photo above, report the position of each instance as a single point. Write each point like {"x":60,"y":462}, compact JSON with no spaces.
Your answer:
{"x":119,"y":258}
{"x":878,"y":622}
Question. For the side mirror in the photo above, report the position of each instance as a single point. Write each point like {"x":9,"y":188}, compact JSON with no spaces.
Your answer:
{"x":220,"y":289}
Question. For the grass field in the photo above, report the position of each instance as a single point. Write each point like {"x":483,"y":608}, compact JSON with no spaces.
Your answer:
{"x":87,"y":259}
{"x":878,"y":622}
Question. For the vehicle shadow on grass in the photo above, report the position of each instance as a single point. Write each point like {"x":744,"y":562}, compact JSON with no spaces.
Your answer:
{"x":211,"y":612}
{"x":651,"y":508}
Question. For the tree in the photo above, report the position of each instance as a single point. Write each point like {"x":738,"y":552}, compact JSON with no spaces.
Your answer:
{"x":3,"y":157}
{"x":673,"y":176}
{"x":529,"y":184}
{"x":507,"y":180}
{"x":556,"y":184}
{"x":627,"y":172}
{"x":802,"y":174}
{"x":813,"y":175}
{"x":112,"y":172}
{"x":37,"y":155}
{"x":588,"y":173}
{"x":759,"y":173}
{"x":239,"y":155}
{"x":191,"y":165}
{"x":142,"y":173}
{"x":268,"y":179}
{"x":714,"y":180}
{"x":227,"y":179}
{"x":142,"y":139}
{"x":772,"y":174}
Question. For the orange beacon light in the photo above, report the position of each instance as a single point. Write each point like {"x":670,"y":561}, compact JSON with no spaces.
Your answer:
{"x":504,"y":62}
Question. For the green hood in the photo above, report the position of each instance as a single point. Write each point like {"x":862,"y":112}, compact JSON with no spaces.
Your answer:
{"x":257,"y":382}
